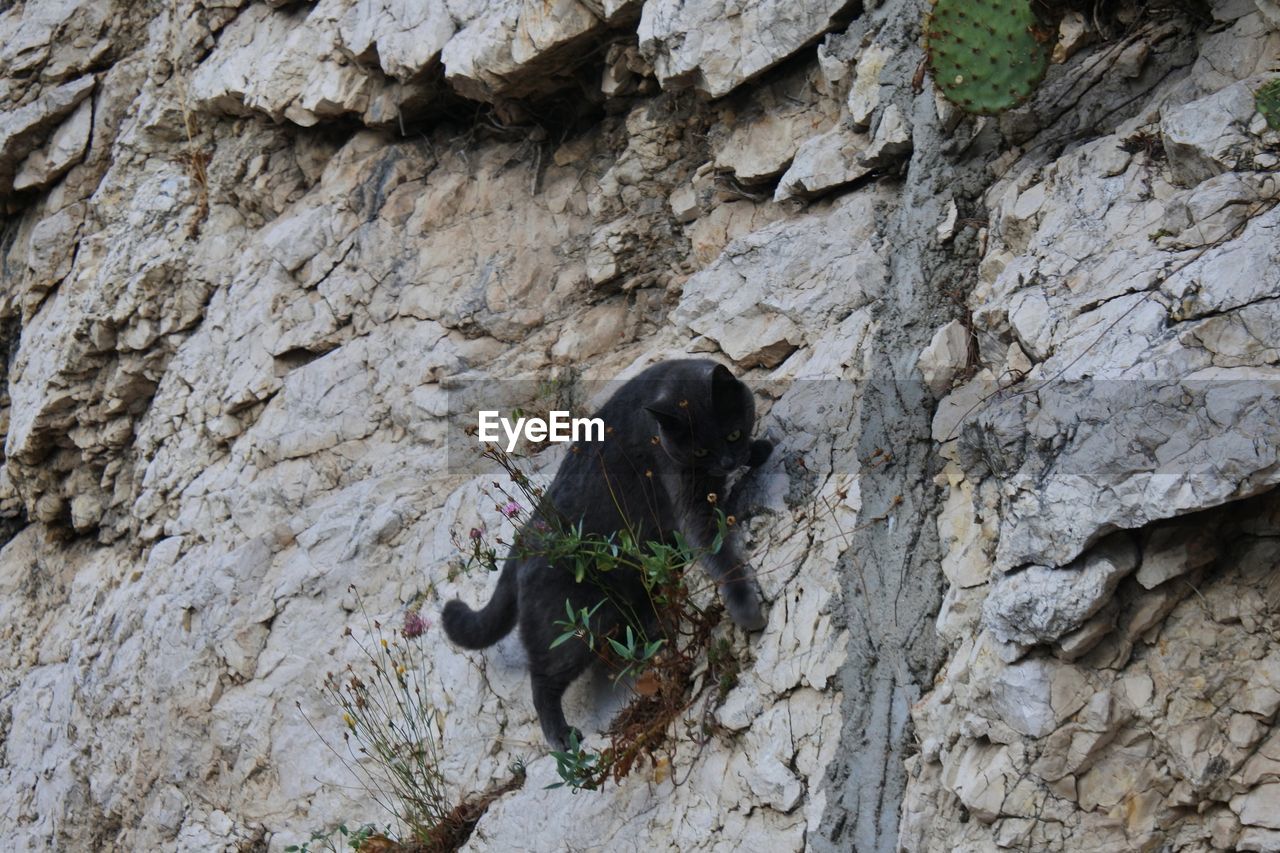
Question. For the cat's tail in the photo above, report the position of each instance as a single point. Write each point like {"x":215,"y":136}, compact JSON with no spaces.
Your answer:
{"x":476,"y":629}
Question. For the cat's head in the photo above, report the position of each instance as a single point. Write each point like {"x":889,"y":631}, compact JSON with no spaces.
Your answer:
{"x":705,"y":418}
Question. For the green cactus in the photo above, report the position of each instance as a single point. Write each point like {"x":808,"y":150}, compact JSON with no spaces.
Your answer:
{"x":986,"y":55}
{"x":1268,"y":101}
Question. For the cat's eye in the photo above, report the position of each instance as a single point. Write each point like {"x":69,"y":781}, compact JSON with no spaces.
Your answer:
{"x":734,"y":436}
{"x":700,"y":452}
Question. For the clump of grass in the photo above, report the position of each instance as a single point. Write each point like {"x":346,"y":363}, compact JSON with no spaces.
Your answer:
{"x":391,"y":742}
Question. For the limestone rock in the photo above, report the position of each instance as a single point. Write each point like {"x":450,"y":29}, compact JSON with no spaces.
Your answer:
{"x":891,"y":141}
{"x":25,"y":129}
{"x":982,"y":777}
{"x":599,"y":330}
{"x":1072,"y":33}
{"x":763,"y":143}
{"x":404,"y":37}
{"x":1270,"y":12}
{"x":842,"y":155}
{"x":285,"y":66}
{"x":64,"y":150}
{"x":1194,"y":154}
{"x":825,"y":162}
{"x":684,"y":204}
{"x":696,"y":45}
{"x":947,"y":227}
{"x":1170,"y":552}
{"x":946,"y":355}
{"x":1151,"y":385}
{"x":624,"y":70}
{"x":1243,"y":49}
{"x":499,"y":53}
{"x":1034,"y":697}
{"x":1082,"y":640}
{"x":1040,"y":604}
{"x":257,"y":258}
{"x":769,"y":287}
{"x":864,"y":95}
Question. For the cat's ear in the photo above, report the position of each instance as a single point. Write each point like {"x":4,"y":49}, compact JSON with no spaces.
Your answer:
{"x":728,"y":394}
{"x":672,"y":420}
{"x":722,"y":380}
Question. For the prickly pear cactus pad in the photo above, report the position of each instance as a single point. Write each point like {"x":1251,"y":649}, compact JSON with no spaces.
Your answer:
{"x":1268,"y":103}
{"x":986,"y":55}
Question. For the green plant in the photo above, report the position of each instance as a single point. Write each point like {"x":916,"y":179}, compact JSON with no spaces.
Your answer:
{"x":389,"y":720}
{"x":576,"y":767}
{"x":577,"y":626}
{"x":390,"y":732}
{"x":1267,"y":100}
{"x":986,"y":55}
{"x":635,"y":655}
{"x":660,"y":666}
{"x":355,"y":839}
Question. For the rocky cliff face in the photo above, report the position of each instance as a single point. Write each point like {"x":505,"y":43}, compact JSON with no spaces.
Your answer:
{"x":1018,"y":539}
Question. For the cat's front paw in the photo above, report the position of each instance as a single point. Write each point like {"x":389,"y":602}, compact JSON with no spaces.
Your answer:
{"x":569,"y":740}
{"x":759,"y":452}
{"x":742,"y":600}
{"x":748,"y":615}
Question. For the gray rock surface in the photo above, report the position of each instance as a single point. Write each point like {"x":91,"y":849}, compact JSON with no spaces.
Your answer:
{"x":1018,"y":540}
{"x":717,"y":47}
{"x":1040,"y":604}
{"x":24,"y":129}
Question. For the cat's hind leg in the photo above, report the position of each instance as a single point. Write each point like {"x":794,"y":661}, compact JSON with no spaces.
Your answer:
{"x":548,"y":693}
{"x":551,"y":671}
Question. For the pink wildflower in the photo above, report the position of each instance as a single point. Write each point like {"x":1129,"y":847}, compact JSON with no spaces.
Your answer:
{"x":414,"y":624}
{"x":475,"y":534}
{"x":511,"y":509}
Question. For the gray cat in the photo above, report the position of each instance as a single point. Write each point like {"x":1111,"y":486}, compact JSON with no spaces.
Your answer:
{"x":674,"y":433}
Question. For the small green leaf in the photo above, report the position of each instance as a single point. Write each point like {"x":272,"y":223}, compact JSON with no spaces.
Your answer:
{"x":1267,"y":100}
{"x":681,"y":543}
